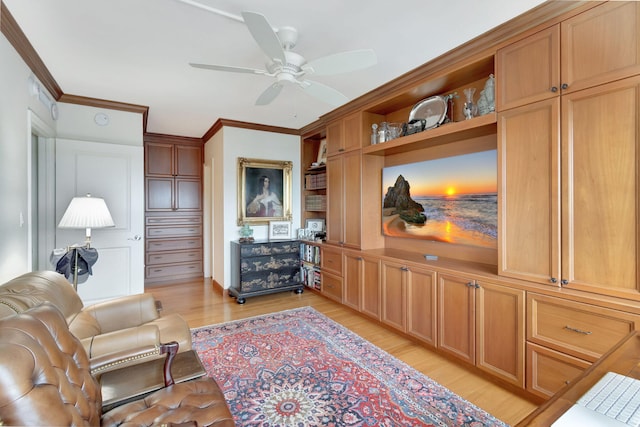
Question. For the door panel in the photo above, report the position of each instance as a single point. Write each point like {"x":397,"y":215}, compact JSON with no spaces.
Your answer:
{"x":115,"y":173}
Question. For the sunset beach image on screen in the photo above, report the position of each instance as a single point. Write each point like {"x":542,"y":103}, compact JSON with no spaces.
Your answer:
{"x":458,"y":196}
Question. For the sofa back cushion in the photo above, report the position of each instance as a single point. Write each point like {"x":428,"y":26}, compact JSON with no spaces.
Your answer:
{"x":34,"y":288}
{"x":45,"y":376}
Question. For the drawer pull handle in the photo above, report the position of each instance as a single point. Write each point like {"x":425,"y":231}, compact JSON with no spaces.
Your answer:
{"x":580,"y":331}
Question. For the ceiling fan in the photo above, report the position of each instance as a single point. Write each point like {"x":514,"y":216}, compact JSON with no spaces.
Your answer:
{"x":288,"y":67}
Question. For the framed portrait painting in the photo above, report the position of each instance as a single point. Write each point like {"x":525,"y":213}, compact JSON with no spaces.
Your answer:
{"x":264,"y":191}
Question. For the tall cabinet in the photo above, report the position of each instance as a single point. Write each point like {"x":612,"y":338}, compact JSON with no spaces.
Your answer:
{"x":173,"y":208}
{"x":574,"y":152}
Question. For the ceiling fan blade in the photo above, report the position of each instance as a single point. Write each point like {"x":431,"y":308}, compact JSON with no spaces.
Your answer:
{"x":213,"y":10}
{"x":264,"y":35}
{"x":269,"y":95}
{"x":228,"y":68}
{"x":342,"y":62}
{"x":324,"y":93}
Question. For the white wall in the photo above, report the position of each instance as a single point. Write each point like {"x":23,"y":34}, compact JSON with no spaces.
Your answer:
{"x":222,"y":152}
{"x":77,"y":122}
{"x":15,"y":102}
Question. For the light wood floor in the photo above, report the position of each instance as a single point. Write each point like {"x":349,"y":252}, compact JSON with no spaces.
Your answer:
{"x":200,"y":303}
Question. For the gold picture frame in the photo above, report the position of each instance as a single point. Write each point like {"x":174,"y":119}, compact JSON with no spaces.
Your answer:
{"x":264,"y":191}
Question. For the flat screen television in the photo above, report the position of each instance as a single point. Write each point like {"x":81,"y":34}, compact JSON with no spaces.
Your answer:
{"x":452,"y":199}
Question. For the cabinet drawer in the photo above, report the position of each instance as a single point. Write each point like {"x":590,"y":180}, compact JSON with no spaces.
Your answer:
{"x":173,"y":244}
{"x":173,"y":220}
{"x":177,"y":231}
{"x":268,"y":263}
{"x":548,"y":370}
{"x":331,"y":261}
{"x":161,"y":271}
{"x":581,"y":330}
{"x":271,"y":279}
{"x":273,"y":248}
{"x":331,"y":286}
{"x":155,"y":258}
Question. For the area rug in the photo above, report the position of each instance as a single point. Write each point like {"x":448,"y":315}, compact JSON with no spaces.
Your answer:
{"x":300,"y":368}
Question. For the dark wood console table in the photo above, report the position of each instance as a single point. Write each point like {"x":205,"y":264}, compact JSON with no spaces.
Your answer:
{"x":624,"y":359}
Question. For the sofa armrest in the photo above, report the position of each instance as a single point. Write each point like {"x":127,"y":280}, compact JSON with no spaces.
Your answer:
{"x":123,"y":312}
{"x":122,"y":340}
{"x":121,"y":359}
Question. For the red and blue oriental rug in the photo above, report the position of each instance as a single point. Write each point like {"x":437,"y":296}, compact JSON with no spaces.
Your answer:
{"x":300,"y":368}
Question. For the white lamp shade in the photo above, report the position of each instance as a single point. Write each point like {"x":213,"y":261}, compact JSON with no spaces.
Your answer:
{"x":86,"y":212}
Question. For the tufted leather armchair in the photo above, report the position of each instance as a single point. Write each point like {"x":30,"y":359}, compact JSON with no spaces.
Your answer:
{"x":45,"y":379}
{"x":114,"y":325}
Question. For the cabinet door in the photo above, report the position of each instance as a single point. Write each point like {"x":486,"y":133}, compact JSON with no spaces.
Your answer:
{"x":188,"y":161}
{"x":335,"y":208}
{"x":352,"y":194}
{"x":421,"y":304}
{"x":351,"y":132}
{"x":370,"y":286}
{"x":188,"y":194}
{"x":352,"y":279}
{"x":600,"y":218}
{"x":500,"y":331}
{"x":158,"y":159}
{"x":393,"y":295}
{"x":159,"y":194}
{"x":601,"y":45}
{"x":529,"y":70}
{"x":456,"y":316}
{"x":334,"y":138}
{"x":529,"y":203}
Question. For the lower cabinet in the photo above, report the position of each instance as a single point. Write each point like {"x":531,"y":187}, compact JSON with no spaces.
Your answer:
{"x":409,"y":300}
{"x":331,"y":273}
{"x":565,"y":337}
{"x":483,"y":324}
{"x":173,"y":248}
{"x":361,"y":283}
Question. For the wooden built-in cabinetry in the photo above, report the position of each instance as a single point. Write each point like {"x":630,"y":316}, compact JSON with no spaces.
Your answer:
{"x":563,"y":284}
{"x":173,"y":208}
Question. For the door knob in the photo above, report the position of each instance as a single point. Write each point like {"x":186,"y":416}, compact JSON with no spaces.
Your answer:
{"x":137,"y":237}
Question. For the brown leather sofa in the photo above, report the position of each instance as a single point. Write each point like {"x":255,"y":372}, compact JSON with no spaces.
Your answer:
{"x":107,"y":327}
{"x":45,"y":379}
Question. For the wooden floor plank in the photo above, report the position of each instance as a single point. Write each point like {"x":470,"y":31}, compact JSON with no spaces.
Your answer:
{"x":201,"y":304}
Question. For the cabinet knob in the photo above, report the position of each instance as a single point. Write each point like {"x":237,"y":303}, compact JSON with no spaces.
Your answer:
{"x":564,"y":282}
{"x":564,"y":86}
{"x":404,"y":268}
{"x":554,"y":89}
{"x":470,"y":284}
{"x":553,"y":280}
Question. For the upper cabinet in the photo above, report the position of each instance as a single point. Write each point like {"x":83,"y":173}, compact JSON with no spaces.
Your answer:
{"x":591,"y":48}
{"x":173,"y":160}
{"x":569,"y":159}
{"x":344,"y":135}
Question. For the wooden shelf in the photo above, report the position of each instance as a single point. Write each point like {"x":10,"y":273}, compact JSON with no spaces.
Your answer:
{"x":478,"y":126}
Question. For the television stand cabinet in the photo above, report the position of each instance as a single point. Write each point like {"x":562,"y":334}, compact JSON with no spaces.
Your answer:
{"x":264,"y":267}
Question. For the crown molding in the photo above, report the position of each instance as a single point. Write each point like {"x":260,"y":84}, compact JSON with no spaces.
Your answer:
{"x":12,"y":31}
{"x":161,"y":137}
{"x":220,"y":123}
{"x":111,"y":105}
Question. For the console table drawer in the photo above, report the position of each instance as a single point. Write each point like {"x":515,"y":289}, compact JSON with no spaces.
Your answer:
{"x":269,"y":248}
{"x":581,"y":330}
{"x":155,"y":258}
{"x":173,"y":244}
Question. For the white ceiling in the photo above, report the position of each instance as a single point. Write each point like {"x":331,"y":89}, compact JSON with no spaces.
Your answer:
{"x":137,"y":51}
